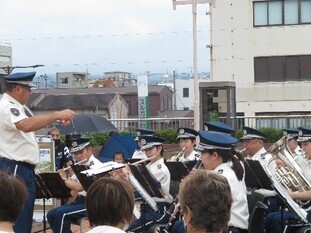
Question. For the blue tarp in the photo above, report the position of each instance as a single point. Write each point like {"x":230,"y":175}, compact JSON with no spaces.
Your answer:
{"x":124,"y":143}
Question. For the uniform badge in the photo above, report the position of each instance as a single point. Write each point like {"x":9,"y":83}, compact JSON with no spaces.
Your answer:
{"x":143,"y":142}
{"x":263,"y":156}
{"x":220,"y":171}
{"x":244,"y":132}
{"x":181,"y":131}
{"x":14,"y":111}
{"x":205,"y":127}
{"x":91,"y":163}
{"x":300,"y":133}
{"x":74,"y":144}
{"x":159,"y":166}
{"x":285,"y":133}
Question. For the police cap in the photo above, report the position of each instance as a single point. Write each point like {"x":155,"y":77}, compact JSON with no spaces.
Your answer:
{"x":215,"y":140}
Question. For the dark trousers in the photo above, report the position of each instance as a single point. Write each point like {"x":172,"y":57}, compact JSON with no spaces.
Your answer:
{"x":24,"y":222}
{"x":151,"y":217}
{"x":60,"y":218}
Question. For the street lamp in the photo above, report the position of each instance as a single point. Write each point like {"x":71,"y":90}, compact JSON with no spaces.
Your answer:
{"x":196,"y":107}
{"x":9,"y":69}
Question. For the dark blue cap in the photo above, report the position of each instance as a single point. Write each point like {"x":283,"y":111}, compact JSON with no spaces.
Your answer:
{"x":186,"y":133}
{"x":79,"y":143}
{"x":149,"y":141}
{"x":290,"y":133}
{"x":250,"y":133}
{"x":140,"y":132}
{"x":215,"y":140}
{"x":218,"y":127}
{"x":304,"y":134}
{"x":20,"y":78}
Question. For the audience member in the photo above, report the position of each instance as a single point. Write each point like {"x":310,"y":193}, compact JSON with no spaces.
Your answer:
{"x":109,"y":205}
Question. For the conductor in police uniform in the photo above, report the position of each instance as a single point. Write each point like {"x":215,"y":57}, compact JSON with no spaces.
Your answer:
{"x":19,"y":150}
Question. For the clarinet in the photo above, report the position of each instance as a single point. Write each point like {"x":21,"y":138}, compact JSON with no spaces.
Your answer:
{"x":174,"y":216}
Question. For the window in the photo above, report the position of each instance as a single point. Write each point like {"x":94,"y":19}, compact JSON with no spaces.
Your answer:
{"x":282,"y":68}
{"x":129,"y":107}
{"x":64,"y":80}
{"x":185,"y":92}
{"x":281,"y":12}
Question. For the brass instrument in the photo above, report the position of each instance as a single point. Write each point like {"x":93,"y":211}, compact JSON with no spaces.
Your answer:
{"x":289,"y":178}
{"x":179,"y":155}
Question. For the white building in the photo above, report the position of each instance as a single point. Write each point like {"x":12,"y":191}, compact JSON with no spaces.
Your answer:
{"x":265,"y":48}
{"x":5,"y":57}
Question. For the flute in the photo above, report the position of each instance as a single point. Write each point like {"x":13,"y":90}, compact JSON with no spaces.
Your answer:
{"x":143,"y":160}
{"x":80,"y":162}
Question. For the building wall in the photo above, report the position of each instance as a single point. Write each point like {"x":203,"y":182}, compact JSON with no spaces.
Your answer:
{"x":5,"y":56}
{"x":235,"y":43}
{"x":74,"y":80}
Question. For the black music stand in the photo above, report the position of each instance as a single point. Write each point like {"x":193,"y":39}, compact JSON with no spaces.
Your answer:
{"x":85,"y":180}
{"x":50,"y":185}
{"x":147,"y":181}
{"x":255,"y":175}
{"x":179,"y":170}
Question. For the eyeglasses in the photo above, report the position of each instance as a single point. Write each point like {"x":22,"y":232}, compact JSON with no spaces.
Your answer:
{"x":28,"y":88}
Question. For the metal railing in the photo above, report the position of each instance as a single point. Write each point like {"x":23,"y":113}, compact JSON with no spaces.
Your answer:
{"x":278,"y":122}
{"x":153,"y":123}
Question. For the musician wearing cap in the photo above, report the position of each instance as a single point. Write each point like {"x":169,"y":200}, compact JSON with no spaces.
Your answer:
{"x":139,"y":154}
{"x":19,"y":151}
{"x":292,"y":143}
{"x":153,"y":148}
{"x":218,"y":127}
{"x":187,"y":138}
{"x":218,"y":155}
{"x":61,"y":217}
{"x":274,"y":221}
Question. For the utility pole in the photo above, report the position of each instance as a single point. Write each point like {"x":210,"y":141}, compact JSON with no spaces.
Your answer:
{"x":174,"y":82}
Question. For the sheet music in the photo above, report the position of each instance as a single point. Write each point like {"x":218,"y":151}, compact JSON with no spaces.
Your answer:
{"x":143,"y":192}
{"x":103,"y":168}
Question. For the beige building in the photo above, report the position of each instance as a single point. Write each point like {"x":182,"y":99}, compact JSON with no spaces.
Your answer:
{"x":72,"y":80}
{"x":264,"y":47}
{"x":5,"y":57}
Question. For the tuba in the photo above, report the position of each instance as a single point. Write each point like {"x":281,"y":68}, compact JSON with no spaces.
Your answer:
{"x":288,"y":178}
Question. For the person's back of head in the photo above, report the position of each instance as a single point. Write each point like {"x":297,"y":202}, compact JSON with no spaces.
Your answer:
{"x":205,"y":200}
{"x":110,"y":201}
{"x":13,"y":194}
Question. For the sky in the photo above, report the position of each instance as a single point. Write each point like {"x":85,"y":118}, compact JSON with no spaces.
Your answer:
{"x":98,"y":36}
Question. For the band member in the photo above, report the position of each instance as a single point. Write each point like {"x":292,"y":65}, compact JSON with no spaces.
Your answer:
{"x":140,"y":154}
{"x":187,"y":139}
{"x":153,"y":148}
{"x":274,"y":222}
{"x":218,"y":155}
{"x":61,"y":217}
{"x":210,"y":192}
{"x":109,"y":205}
{"x":292,"y":143}
{"x":218,"y":127}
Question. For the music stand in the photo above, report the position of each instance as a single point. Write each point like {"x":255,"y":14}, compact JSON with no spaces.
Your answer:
{"x":50,"y":185}
{"x":85,"y":181}
{"x":255,"y":175}
{"x":148,"y":183}
{"x":179,"y":170}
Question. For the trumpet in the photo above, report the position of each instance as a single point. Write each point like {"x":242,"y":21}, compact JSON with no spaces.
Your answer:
{"x":176,"y":157}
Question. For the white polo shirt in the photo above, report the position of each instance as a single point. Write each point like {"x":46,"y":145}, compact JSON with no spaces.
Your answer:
{"x":15,"y":144}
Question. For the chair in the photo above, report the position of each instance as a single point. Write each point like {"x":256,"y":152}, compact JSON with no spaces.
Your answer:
{"x":256,"y":218}
{"x":256,"y":208}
